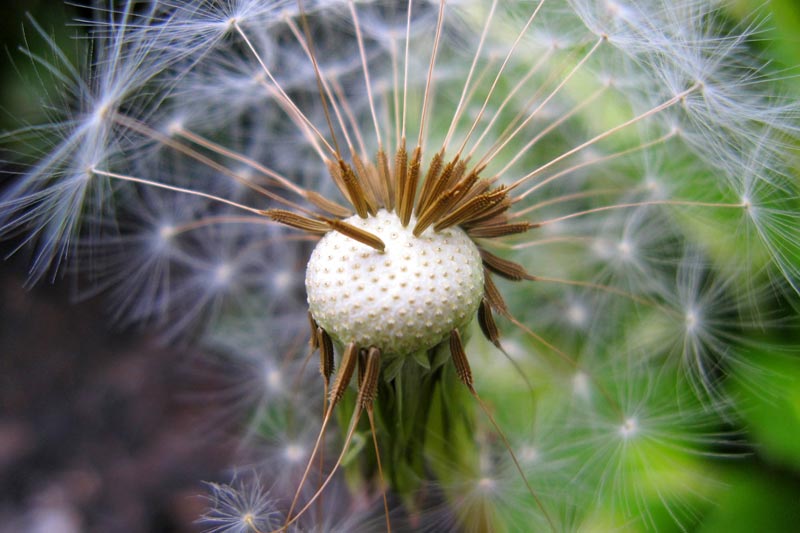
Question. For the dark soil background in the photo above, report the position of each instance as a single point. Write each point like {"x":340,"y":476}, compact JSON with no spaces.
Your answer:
{"x":100,"y":430}
{"x":97,"y":429}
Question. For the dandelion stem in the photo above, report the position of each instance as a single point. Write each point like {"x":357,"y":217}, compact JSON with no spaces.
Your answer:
{"x":210,"y":221}
{"x":281,"y":92}
{"x":499,"y":74}
{"x":523,"y":82}
{"x":572,"y":361}
{"x":436,"y":40}
{"x":183,"y":190}
{"x":318,"y":77}
{"x":349,"y":437}
{"x":594,"y":161}
{"x":462,"y":99}
{"x":343,"y":377}
{"x":365,"y":68}
{"x":297,"y":119}
{"x":465,"y":375}
{"x":548,"y":240}
{"x":236,"y":156}
{"x":368,"y":388}
{"x":348,"y":112}
{"x":395,"y":88}
{"x":371,"y":416}
{"x":657,"y":109}
{"x":405,"y":72}
{"x":608,"y":289}
{"x":644,"y":203}
{"x":556,"y":123}
{"x":137,"y":126}
{"x":322,"y":80}
{"x":576,"y":196}
{"x":492,"y":153}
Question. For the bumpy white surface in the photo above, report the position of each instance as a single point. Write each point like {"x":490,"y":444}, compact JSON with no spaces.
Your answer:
{"x":404,"y":299}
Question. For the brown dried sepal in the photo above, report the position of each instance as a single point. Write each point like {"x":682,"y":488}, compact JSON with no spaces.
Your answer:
{"x":325,"y":354}
{"x":487,"y":324}
{"x":345,"y":374}
{"x":505,"y":268}
{"x":313,"y":341}
{"x":500,"y":229}
{"x":493,"y":296}
{"x":463,"y":370}
{"x":368,"y":389}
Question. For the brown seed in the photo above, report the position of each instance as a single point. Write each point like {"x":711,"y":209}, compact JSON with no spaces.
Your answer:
{"x":325,"y":354}
{"x":474,"y":208}
{"x":435,"y":211}
{"x":491,"y":231}
{"x":493,"y":296}
{"x":363,"y":176}
{"x":400,"y":172}
{"x":431,"y":177}
{"x":503,"y":267}
{"x":297,"y":221}
{"x":313,"y":340}
{"x":460,"y":359}
{"x":387,"y":189}
{"x":353,"y":188}
{"x":487,"y":324}
{"x":355,"y":233}
{"x":369,"y":385}
{"x":405,"y":205}
{"x":345,"y":373}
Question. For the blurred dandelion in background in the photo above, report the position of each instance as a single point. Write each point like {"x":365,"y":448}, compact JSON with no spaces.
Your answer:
{"x":539,"y":247}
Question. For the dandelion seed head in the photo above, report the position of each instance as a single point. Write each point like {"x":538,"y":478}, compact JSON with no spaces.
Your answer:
{"x":165,"y":233}
{"x":222,"y":274}
{"x":487,"y":484}
{"x":284,"y":280}
{"x":529,"y":454}
{"x":273,"y":379}
{"x":580,"y":385}
{"x":175,"y":126}
{"x":603,"y":248}
{"x":294,"y":453}
{"x":692,"y":320}
{"x":629,"y":428}
{"x":577,"y":314}
{"x":625,"y":248}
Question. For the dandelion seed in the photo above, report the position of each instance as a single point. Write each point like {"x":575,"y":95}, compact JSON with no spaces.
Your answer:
{"x":239,"y":508}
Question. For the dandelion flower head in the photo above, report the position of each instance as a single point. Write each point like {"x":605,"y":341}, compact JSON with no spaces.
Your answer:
{"x":531,"y":241}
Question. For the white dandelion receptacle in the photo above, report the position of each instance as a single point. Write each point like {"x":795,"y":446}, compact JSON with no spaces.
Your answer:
{"x":403,"y":299}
